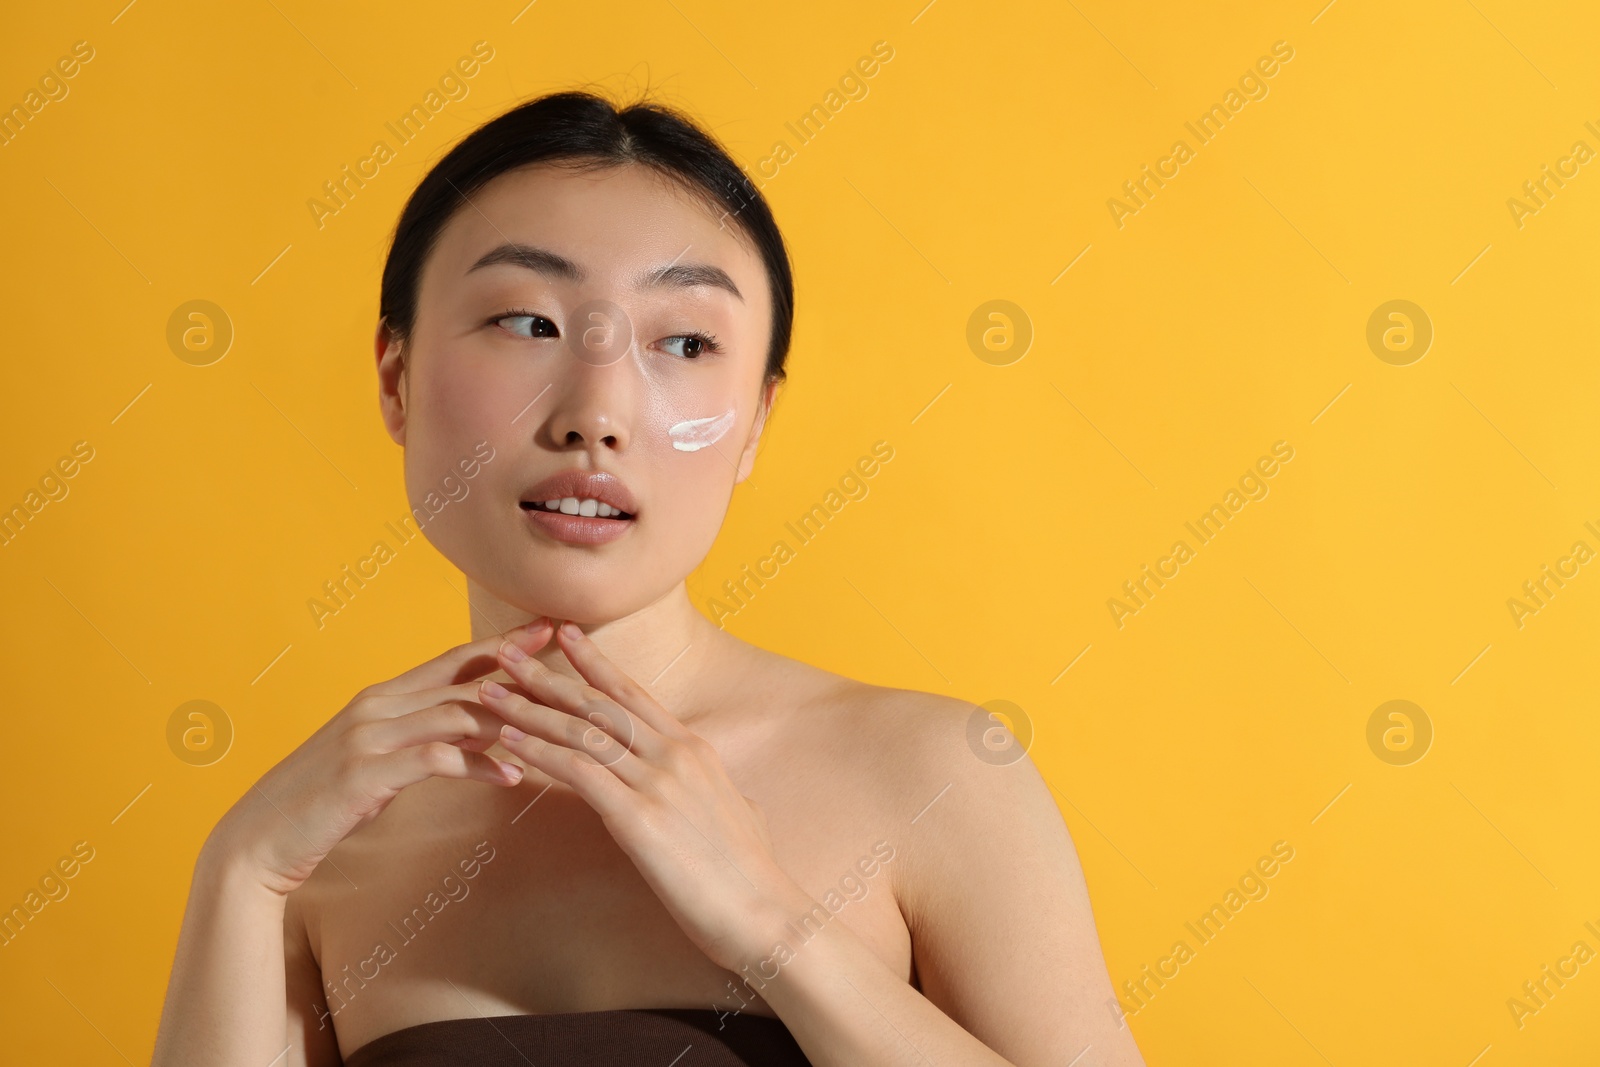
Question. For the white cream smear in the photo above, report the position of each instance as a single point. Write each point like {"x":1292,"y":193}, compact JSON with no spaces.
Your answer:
{"x":695,"y":434}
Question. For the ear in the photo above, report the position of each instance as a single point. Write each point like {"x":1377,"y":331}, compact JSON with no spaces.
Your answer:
{"x":747,"y":459}
{"x":391,"y":382}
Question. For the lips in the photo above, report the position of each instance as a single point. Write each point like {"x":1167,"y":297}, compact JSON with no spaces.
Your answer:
{"x":584,"y":485}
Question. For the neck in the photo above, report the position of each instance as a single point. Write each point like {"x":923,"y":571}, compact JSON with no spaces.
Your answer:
{"x":666,"y":646}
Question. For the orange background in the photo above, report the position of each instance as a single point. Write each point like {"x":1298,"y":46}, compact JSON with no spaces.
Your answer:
{"x":1170,"y":349}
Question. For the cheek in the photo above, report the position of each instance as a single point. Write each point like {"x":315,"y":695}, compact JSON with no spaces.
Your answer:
{"x":691,"y":435}
{"x":693,"y":449}
{"x":461,"y":392}
{"x":458,"y":414}
{"x":686,"y":429}
{"x":466,"y":406}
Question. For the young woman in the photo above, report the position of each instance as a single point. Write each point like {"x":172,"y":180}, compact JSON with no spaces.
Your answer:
{"x":605,"y":830}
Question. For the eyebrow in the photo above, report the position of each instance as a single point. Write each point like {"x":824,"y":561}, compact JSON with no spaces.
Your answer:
{"x":552,"y":264}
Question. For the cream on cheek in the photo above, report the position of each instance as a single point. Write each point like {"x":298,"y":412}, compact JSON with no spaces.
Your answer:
{"x":692,"y":435}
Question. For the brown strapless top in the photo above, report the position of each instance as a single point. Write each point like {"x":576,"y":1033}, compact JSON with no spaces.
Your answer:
{"x":623,"y":1037}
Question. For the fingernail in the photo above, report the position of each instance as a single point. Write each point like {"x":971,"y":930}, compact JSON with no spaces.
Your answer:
{"x":512,"y":653}
{"x":495,"y":689}
{"x":511,"y":733}
{"x":570,"y":628}
{"x":512,"y":771}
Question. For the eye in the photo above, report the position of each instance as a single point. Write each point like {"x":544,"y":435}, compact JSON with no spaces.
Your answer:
{"x":517,"y":320}
{"x":695,"y":345}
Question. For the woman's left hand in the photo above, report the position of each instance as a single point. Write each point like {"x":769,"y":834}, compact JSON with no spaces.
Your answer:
{"x":659,"y":788}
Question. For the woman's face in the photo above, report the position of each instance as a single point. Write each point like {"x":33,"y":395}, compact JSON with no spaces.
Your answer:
{"x":552,"y":338}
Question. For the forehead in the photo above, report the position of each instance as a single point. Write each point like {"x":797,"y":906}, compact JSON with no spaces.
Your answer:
{"x":614,"y":224}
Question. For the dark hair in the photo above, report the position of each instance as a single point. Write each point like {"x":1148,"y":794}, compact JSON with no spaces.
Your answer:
{"x":585,"y":131}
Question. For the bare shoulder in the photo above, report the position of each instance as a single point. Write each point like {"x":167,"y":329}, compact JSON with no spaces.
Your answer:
{"x":985,"y":873}
{"x":911,"y":751}
{"x":915,"y":725}
{"x":916,"y":739}
{"x":955,"y":775}
{"x":901,"y":731}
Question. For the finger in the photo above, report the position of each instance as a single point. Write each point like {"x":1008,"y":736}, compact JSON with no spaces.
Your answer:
{"x":583,"y":703}
{"x":584,"y":707}
{"x":610,"y":679}
{"x":393,"y":771}
{"x":454,"y":722}
{"x":394,"y":705}
{"x":607,"y":794}
{"x":470,"y":660}
{"x":603,"y":735}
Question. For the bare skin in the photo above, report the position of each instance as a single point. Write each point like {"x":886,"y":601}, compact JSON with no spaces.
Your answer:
{"x":510,"y":875}
{"x":559,"y":919}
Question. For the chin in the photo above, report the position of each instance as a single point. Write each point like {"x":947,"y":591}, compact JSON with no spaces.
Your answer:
{"x":585,"y":591}
{"x":588,"y":584}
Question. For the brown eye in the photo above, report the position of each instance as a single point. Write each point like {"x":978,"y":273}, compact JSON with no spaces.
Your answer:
{"x":537,"y":325}
{"x":694,"y":345}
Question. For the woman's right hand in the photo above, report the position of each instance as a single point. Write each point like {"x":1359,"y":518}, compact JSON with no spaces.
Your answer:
{"x":421,"y":724}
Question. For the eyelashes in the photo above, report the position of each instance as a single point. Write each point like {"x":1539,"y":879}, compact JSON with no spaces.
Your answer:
{"x":516,"y":313}
{"x":707,"y":341}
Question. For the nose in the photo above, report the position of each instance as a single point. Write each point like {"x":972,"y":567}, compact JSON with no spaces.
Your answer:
{"x":593,"y":407}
